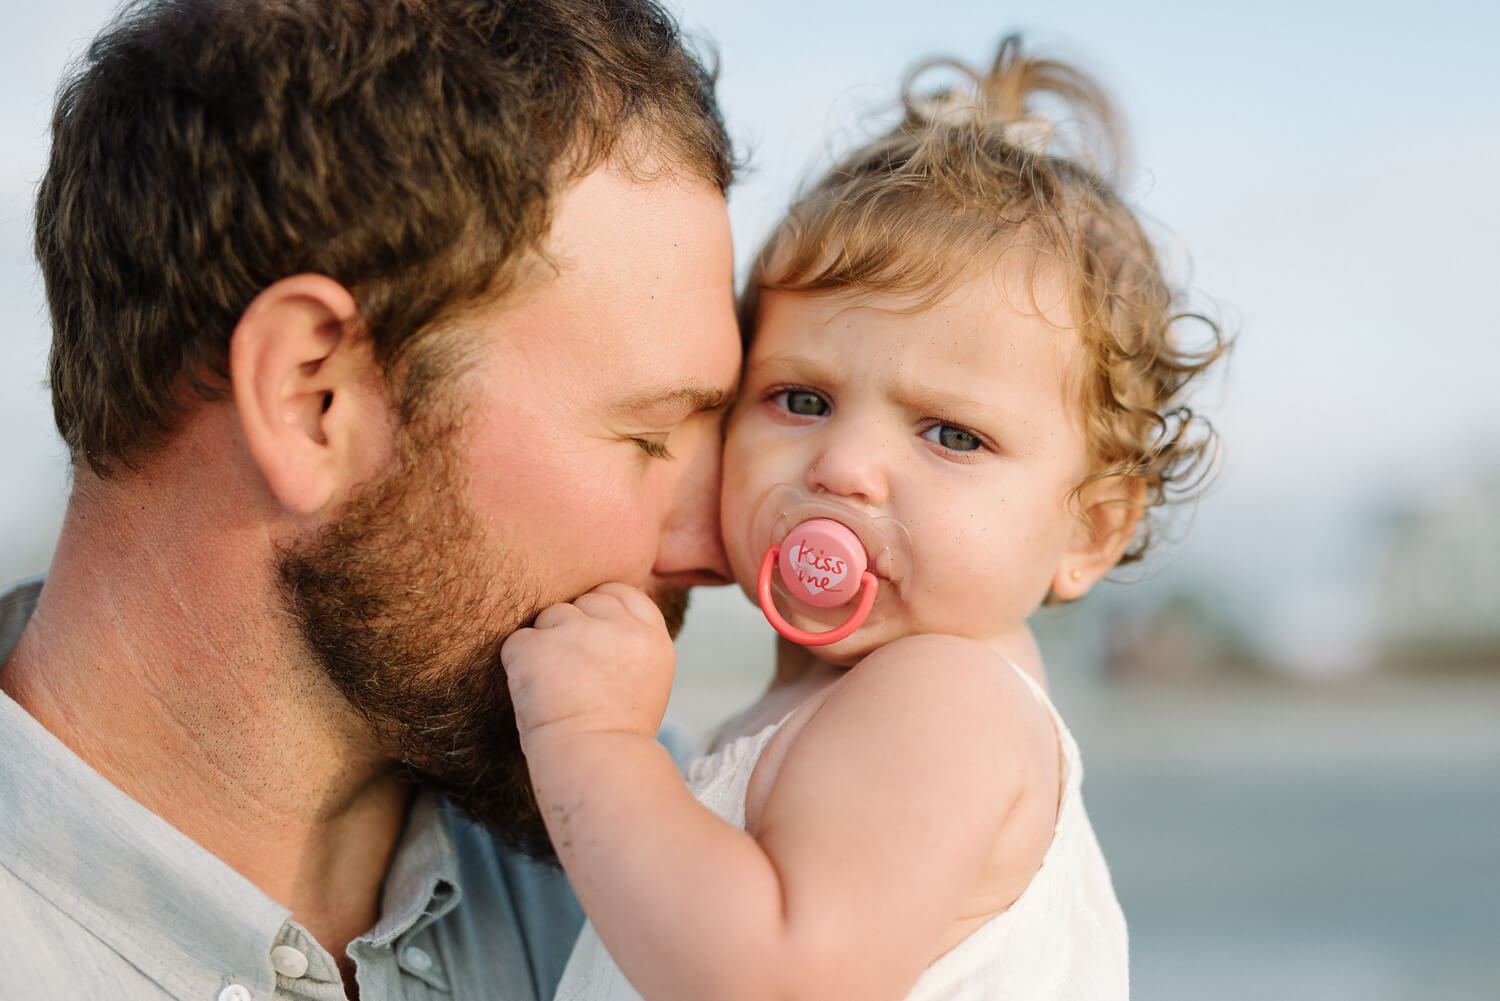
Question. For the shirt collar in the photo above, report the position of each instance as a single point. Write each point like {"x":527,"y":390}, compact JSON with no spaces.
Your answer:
{"x":422,"y":883}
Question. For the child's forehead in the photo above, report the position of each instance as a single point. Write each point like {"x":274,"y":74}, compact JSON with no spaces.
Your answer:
{"x":1023,"y":271}
{"x":985,"y":337}
{"x":994,"y":298}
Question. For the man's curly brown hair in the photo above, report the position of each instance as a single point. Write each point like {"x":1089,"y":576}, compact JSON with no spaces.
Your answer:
{"x":411,"y":150}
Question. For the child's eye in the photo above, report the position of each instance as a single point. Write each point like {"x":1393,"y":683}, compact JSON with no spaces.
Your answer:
{"x":953,"y":438}
{"x":803,"y":402}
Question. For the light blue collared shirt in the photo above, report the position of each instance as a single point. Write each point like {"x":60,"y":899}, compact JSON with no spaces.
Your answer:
{"x":101,"y":898}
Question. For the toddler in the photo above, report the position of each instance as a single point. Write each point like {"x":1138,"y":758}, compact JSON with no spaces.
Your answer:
{"x":961,"y":400}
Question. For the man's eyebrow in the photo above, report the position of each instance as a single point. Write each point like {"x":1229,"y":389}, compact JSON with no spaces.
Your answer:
{"x":689,"y":399}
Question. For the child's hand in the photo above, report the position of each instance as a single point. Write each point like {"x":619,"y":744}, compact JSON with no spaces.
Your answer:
{"x":601,"y":663}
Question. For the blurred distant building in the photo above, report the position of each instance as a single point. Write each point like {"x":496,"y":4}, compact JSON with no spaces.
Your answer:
{"x":1438,"y":594}
{"x":1183,"y":638}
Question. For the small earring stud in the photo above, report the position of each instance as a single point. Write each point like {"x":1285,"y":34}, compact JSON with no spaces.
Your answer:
{"x":1075,"y":575}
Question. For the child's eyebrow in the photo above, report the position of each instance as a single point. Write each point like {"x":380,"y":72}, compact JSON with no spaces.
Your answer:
{"x":905,"y":391}
{"x":944,"y":402}
{"x":787,"y":362}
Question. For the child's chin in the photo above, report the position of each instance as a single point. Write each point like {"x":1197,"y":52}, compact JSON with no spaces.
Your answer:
{"x":853,"y":648}
{"x":844,"y":653}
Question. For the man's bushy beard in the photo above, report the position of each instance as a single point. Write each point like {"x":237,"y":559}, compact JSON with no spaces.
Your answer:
{"x":399,"y":603}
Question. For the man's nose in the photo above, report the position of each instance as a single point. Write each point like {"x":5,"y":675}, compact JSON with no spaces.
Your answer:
{"x":692,"y":546}
{"x":849,"y":462}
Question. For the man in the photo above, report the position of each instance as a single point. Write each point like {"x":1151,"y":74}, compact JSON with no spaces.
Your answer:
{"x":378,"y":326}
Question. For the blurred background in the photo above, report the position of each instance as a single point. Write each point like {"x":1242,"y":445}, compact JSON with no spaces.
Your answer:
{"x":1291,"y":715}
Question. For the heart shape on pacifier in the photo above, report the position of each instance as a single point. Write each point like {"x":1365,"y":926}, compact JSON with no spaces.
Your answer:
{"x":821,"y":563}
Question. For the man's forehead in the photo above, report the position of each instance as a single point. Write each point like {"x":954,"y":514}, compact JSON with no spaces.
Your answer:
{"x":607,"y":209}
{"x":634,"y":317}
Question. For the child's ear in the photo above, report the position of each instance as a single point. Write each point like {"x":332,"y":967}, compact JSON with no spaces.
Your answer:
{"x":303,"y":377}
{"x":1109,"y":510}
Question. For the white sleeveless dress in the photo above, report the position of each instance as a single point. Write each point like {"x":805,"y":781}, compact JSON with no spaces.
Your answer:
{"x":1062,"y":940}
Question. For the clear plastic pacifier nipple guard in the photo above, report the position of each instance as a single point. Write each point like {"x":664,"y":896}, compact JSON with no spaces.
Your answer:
{"x":823,"y":564}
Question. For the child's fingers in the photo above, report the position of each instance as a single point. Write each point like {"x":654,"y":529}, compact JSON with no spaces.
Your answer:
{"x":615,"y":600}
{"x":607,"y":601}
{"x":636,"y":601}
{"x":601,"y":605}
{"x":556,"y":615}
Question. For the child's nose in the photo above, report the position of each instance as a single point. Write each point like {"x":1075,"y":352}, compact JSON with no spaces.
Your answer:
{"x":850,"y":465}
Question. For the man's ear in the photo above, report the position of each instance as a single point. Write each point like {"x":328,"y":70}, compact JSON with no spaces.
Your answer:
{"x":1109,"y":510}
{"x":301,"y":375}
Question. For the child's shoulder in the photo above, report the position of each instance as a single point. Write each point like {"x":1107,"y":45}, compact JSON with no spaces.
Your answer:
{"x":946,"y":667}
{"x":934,"y":686}
{"x":924,"y":648}
{"x":926,"y":726}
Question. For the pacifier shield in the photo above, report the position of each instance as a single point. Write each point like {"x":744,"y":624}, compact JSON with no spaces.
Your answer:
{"x":821,"y":563}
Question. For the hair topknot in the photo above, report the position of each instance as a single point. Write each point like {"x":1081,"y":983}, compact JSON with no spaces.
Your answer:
{"x":1033,"y":105}
{"x":1022,"y":157}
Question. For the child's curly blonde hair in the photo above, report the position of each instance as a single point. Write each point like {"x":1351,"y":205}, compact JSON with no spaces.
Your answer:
{"x":973,"y":172}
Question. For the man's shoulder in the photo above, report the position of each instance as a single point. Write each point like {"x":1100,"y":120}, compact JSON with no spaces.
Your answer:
{"x":48,"y":954}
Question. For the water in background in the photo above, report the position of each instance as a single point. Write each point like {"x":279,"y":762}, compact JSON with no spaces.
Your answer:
{"x":1269,"y":837}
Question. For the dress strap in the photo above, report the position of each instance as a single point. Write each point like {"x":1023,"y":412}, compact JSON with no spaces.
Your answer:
{"x":1071,"y":754}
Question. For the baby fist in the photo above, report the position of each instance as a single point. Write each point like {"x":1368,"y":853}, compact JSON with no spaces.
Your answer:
{"x":602,"y":662}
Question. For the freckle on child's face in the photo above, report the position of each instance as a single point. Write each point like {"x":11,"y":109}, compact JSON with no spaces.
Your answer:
{"x":958,"y":420}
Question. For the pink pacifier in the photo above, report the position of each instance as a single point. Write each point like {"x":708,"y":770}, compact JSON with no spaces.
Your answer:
{"x":823,"y":564}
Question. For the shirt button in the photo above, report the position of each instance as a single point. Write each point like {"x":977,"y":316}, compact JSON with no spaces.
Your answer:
{"x":235,"y":992}
{"x":289,"y":962}
{"x":417,"y":959}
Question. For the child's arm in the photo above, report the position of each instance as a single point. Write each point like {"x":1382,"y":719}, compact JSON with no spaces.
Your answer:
{"x":880,"y":819}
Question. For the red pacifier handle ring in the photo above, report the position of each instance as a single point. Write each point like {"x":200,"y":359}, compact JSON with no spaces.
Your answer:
{"x":868,"y":584}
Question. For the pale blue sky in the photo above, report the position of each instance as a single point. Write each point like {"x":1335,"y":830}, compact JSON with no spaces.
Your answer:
{"x":1328,"y":170}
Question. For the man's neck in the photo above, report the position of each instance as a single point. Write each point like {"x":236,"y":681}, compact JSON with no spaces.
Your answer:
{"x":158,"y":654}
